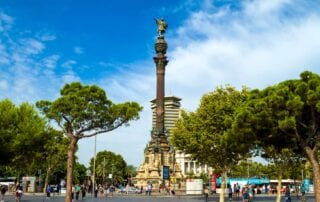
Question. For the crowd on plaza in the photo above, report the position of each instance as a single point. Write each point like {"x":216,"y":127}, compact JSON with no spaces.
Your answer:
{"x":245,"y":192}
{"x":248,"y":192}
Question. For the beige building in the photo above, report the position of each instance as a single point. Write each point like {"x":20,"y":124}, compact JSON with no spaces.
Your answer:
{"x":188,"y":166}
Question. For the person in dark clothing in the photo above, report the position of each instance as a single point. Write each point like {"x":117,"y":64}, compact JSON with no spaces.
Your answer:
{"x":48,"y":190}
{"x":3,"y":190}
{"x":18,"y":192}
{"x":287,"y":194}
{"x":83,"y":191}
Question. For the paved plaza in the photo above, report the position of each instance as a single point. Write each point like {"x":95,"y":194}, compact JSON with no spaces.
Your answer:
{"x":143,"y":198}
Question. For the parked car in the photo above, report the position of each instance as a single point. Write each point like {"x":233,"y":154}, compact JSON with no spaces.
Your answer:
{"x":133,"y":190}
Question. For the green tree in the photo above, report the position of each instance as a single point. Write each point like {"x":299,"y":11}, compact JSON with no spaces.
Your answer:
{"x":79,"y":173}
{"x":287,"y":115}
{"x":22,"y":137}
{"x":84,"y":111}
{"x":131,"y":171}
{"x":107,"y":163}
{"x":8,"y":117}
{"x":206,"y":135}
{"x":282,"y":160}
{"x":245,"y":169}
{"x":55,"y":153}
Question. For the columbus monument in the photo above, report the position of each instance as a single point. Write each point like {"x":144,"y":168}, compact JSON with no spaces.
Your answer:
{"x":159,"y":167}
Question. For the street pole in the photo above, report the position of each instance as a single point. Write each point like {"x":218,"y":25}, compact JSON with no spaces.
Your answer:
{"x":94,"y":165}
{"x":104,"y":170}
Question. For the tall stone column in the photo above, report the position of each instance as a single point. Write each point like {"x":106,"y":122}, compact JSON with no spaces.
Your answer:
{"x":157,"y":153}
{"x":161,"y":62}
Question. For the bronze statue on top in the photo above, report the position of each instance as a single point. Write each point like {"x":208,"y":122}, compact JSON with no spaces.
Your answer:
{"x":162,"y":26}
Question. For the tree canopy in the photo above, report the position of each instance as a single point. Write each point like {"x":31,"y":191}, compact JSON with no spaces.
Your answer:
{"x":107,"y":163}
{"x":22,"y":136}
{"x":286,"y":116}
{"x":206,"y":133}
{"x":85,"y":111}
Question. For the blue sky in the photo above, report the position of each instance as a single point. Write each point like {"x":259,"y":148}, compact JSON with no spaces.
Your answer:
{"x":45,"y":44}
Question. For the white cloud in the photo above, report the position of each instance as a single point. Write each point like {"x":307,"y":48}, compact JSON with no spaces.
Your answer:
{"x":31,"y":46}
{"x":4,"y":57}
{"x":47,"y":37}
{"x":106,"y":64}
{"x":78,"y":50}
{"x":70,"y":76}
{"x":263,"y":43}
{"x":4,"y":85}
{"x":27,"y":69}
{"x":50,"y":62}
{"x":242,"y":47}
{"x":6,"y":22}
{"x":69,"y":64}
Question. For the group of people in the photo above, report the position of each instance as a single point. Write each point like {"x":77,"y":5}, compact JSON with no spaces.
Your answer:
{"x":102,"y":191}
{"x":76,"y":190}
{"x":149,"y":189}
{"x":248,"y":192}
{"x":50,"y":189}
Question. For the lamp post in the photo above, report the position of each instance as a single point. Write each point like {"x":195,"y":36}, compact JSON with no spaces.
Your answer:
{"x":88,"y":174}
{"x":94,"y":165}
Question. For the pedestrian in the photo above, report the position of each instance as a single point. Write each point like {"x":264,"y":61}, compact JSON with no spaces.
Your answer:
{"x":48,"y":190}
{"x":245,"y":195}
{"x":303,"y":192}
{"x":18,"y":192}
{"x":251,"y":192}
{"x":287,"y":194}
{"x":3,"y":191}
{"x":58,"y":188}
{"x":121,"y":189}
{"x":149,"y":188}
{"x":73,"y":189}
{"x":236,"y":189}
{"x":230,"y":192}
{"x":95,"y":192}
{"x":111,"y":190}
{"x":78,"y":189}
{"x":83,"y":191}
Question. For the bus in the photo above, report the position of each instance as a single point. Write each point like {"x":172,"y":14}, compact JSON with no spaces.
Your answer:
{"x":9,"y":182}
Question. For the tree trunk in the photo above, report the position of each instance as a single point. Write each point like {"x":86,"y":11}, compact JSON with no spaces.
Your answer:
{"x":223,"y":185}
{"x":313,"y":158}
{"x":279,"y":186}
{"x":70,"y":165}
{"x":47,"y":179}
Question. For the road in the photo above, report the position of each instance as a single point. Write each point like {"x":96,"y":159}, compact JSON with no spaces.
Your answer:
{"x":143,"y":198}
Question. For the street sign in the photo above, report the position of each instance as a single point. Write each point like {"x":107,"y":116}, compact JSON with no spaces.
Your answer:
{"x":165,"y":172}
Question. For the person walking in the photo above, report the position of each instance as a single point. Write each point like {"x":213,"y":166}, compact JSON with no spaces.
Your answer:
{"x":303,"y":193}
{"x":18,"y":192}
{"x":149,"y":188}
{"x":230,"y":192}
{"x":245,"y":195}
{"x":3,"y":191}
{"x":78,"y":189}
{"x":48,"y":190}
{"x":111,"y":190}
{"x":83,"y":191}
{"x":287,"y":194}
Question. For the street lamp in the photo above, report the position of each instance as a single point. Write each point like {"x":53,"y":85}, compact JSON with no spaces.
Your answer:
{"x":94,"y":164}
{"x":88,"y":174}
